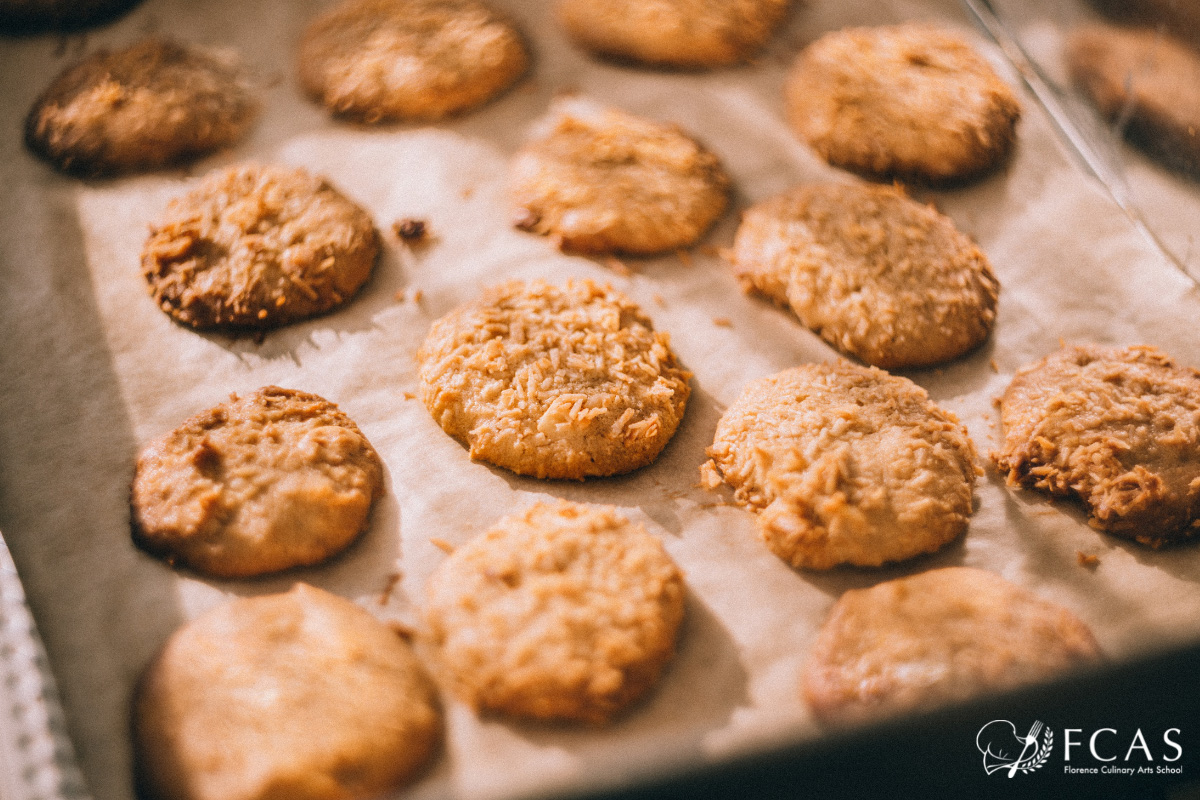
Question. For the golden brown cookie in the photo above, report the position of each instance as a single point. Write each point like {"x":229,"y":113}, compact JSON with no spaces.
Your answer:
{"x":1146,"y":81}
{"x":150,"y":105}
{"x":1116,"y":428}
{"x":912,"y":101}
{"x":875,"y":274}
{"x":301,"y":695}
{"x":386,"y":60}
{"x":935,"y":638}
{"x":36,"y":16}
{"x":564,"y":612}
{"x":599,"y":180}
{"x":692,"y":34}
{"x":275,"y":479}
{"x":258,"y":247}
{"x":553,"y":382}
{"x":845,"y":465}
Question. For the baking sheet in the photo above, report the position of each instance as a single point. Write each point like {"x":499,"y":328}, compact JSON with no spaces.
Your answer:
{"x":92,"y":369}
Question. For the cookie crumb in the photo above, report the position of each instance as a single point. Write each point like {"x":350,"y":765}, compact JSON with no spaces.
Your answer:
{"x":658,"y":300}
{"x":399,"y":296}
{"x":618,"y":266}
{"x":409,"y":396}
{"x":442,"y":544}
{"x":411,"y":230}
{"x":417,"y":296}
{"x":685,"y":258}
{"x":722,"y":322}
{"x":1087,"y":560}
{"x":405,"y":632}
{"x":995,"y":367}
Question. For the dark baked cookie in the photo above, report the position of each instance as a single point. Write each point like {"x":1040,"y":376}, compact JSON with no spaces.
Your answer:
{"x":564,"y":612}
{"x":273,"y":480}
{"x":383,"y":60}
{"x":553,"y":382}
{"x":1118,"y":428}
{"x":36,"y":16}
{"x":844,"y":464}
{"x":676,"y":33}
{"x":258,"y":247}
{"x":911,"y":101}
{"x":600,"y":180}
{"x":301,"y":695}
{"x":934,"y":638}
{"x":877,"y":275}
{"x":1147,"y":82}
{"x":150,"y":105}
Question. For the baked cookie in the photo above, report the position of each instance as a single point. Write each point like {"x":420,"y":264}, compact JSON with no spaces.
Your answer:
{"x":1114,"y":427}
{"x":911,"y":101}
{"x":599,"y":180}
{"x":150,"y":105}
{"x":552,"y":382}
{"x":35,"y":16}
{"x":935,"y":638}
{"x":845,"y":465}
{"x":258,"y":247}
{"x":564,"y":612}
{"x":1145,"y":81}
{"x":692,"y":34}
{"x":385,"y":60}
{"x":296,"y":695}
{"x":275,"y":479}
{"x":875,"y":274}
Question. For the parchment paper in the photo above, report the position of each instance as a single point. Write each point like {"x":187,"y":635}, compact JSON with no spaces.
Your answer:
{"x":90,"y":369}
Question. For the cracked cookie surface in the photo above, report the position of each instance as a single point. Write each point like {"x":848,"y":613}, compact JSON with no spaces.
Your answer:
{"x":256,"y":247}
{"x":876,"y":274}
{"x":1117,"y":428}
{"x":553,"y":382}
{"x":565,"y":611}
{"x":272,"y":480}
{"x":844,"y":465}
{"x":911,"y":101}
{"x":599,"y":180}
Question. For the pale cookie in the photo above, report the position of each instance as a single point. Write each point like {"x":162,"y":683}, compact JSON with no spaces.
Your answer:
{"x":301,"y":695}
{"x":599,"y":180}
{"x":845,"y":465}
{"x":36,"y":16}
{"x":875,"y":274}
{"x":258,"y":247}
{"x":1116,"y":428}
{"x":150,"y":105}
{"x":1148,"y":83}
{"x":554,"y":382}
{"x":911,"y":101}
{"x":935,"y":638}
{"x":692,"y":34}
{"x":275,"y":479}
{"x":564,"y":612}
{"x":386,"y":60}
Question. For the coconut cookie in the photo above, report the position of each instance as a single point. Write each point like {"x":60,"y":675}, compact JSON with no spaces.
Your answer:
{"x":912,"y":101}
{"x":151,"y":105}
{"x":36,"y":16}
{"x":297,"y":695}
{"x":875,"y":274}
{"x":599,"y":180}
{"x":275,"y":479}
{"x":1114,"y":427}
{"x":1146,"y":81}
{"x":564,"y":612}
{"x":387,"y":60}
{"x":845,"y":465}
{"x":553,"y":382}
{"x":934,"y":638}
{"x":258,"y":247}
{"x":692,"y":34}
